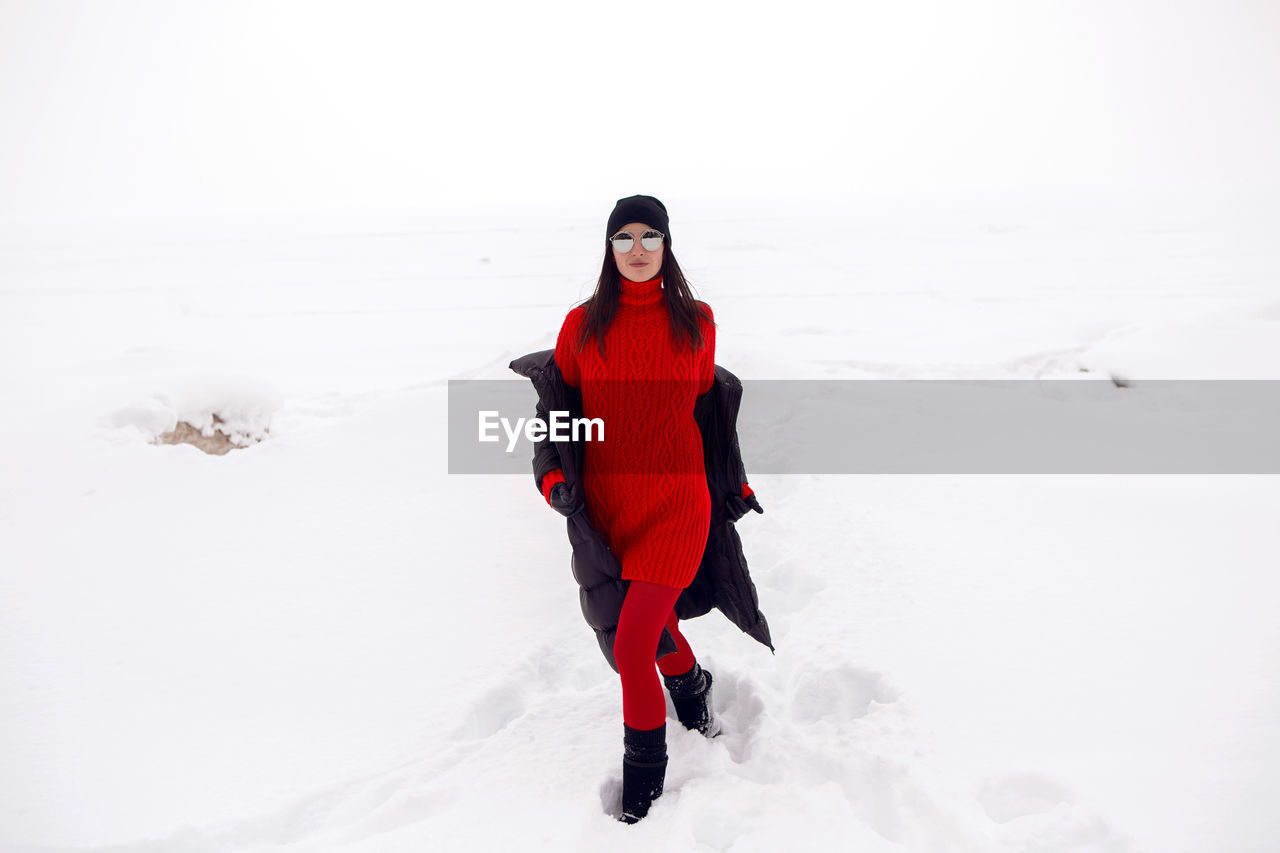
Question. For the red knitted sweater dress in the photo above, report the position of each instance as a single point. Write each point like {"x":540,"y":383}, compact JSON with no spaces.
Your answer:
{"x":645,"y":484}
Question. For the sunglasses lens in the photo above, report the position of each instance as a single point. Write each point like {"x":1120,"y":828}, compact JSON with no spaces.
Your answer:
{"x":624,"y":242}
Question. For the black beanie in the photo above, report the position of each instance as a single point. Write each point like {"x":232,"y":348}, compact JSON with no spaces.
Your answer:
{"x":639,"y":208}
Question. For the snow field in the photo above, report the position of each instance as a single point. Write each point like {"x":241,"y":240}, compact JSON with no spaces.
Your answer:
{"x":324,"y":642}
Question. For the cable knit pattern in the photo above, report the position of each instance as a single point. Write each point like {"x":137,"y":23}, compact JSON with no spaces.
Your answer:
{"x":645,"y":484}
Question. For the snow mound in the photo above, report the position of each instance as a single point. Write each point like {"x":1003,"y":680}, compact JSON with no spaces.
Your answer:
{"x":214,"y":414}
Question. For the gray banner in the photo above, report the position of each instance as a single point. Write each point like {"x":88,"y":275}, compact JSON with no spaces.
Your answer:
{"x":1082,"y":426}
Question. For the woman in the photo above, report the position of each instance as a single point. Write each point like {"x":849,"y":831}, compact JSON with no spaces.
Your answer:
{"x":641,"y":353}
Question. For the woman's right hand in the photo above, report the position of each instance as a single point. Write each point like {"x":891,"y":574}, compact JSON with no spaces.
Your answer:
{"x":564,"y":500}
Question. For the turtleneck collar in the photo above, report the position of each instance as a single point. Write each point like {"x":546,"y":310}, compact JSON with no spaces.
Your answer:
{"x":640,"y":292}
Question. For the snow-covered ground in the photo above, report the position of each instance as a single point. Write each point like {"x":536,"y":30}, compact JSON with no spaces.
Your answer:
{"x":326,"y":642}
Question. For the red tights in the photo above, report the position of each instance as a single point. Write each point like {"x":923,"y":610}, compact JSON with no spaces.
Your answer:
{"x":647,"y":608}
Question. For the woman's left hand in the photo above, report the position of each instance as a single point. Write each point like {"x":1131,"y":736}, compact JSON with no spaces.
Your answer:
{"x":736,"y":507}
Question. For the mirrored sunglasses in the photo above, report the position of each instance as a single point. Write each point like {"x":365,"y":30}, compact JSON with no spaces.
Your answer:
{"x":624,"y":242}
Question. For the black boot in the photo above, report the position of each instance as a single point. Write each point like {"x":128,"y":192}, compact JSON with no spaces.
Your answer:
{"x":691,"y":695}
{"x":644,"y":769}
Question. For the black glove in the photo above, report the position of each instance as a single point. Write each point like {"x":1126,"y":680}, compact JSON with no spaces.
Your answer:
{"x":736,"y":507}
{"x":564,"y":500}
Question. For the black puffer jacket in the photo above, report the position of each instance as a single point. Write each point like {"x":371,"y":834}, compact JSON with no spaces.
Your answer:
{"x":723,"y":581}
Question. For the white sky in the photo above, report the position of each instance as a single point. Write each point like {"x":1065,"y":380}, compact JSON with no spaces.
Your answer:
{"x":134,"y":107}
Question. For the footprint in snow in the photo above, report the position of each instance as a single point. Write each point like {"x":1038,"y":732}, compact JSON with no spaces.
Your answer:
{"x":789,"y":587}
{"x":1040,"y":813}
{"x":492,"y":713}
{"x":1011,"y":797}
{"x":611,"y":797}
{"x":740,"y":709}
{"x":840,"y":693}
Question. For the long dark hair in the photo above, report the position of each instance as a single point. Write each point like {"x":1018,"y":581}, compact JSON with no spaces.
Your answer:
{"x":682,"y":308}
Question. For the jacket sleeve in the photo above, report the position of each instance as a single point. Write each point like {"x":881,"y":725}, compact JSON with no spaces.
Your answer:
{"x":546,"y":458}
